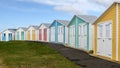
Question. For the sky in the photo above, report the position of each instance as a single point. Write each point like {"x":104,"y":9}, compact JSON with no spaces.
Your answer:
{"x":22,"y":13}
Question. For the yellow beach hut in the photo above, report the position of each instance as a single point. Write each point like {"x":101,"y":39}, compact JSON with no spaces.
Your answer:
{"x":107,"y":33}
{"x":32,"y":33}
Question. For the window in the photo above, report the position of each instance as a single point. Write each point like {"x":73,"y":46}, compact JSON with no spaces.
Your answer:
{"x":85,"y":29}
{"x":108,"y":30}
{"x":100,"y":30}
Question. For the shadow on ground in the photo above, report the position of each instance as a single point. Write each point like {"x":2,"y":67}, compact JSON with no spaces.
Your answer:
{"x":82,"y":58}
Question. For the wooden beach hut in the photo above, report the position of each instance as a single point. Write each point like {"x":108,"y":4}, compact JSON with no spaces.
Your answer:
{"x":59,"y":31}
{"x":44,"y":32}
{"x":107,"y":33}
{"x":32,"y":33}
{"x":80,"y":32}
{"x":20,"y":33}
{"x":8,"y":35}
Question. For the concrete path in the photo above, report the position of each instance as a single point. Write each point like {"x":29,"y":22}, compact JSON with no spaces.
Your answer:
{"x":82,"y":58}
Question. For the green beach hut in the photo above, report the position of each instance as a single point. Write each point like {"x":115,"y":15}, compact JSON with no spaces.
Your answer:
{"x":80,"y":32}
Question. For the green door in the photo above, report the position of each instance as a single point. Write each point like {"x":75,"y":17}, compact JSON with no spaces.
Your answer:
{"x":18,"y":36}
{"x":22,"y":35}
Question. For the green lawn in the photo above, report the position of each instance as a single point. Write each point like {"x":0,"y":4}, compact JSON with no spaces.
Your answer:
{"x":17,"y":54}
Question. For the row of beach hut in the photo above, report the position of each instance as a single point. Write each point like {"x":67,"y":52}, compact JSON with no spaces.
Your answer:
{"x":87,"y":32}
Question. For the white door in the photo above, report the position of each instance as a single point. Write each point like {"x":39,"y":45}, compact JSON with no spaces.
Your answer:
{"x":52,"y":34}
{"x":83,"y":36}
{"x":72,"y":36}
{"x":104,"y":39}
{"x":60,"y":33}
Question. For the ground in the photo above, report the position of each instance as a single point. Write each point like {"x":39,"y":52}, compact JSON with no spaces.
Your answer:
{"x":18,"y":54}
{"x":82,"y":58}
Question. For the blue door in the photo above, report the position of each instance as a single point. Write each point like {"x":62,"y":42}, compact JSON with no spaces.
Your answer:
{"x":4,"y":37}
{"x":9,"y":36}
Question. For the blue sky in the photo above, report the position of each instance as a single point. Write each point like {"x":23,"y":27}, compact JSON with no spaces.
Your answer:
{"x":22,"y":13}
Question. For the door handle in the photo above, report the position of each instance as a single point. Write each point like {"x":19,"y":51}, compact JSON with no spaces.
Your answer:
{"x":103,"y":40}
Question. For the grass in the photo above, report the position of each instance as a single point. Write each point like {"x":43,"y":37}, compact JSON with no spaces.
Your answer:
{"x":17,"y":54}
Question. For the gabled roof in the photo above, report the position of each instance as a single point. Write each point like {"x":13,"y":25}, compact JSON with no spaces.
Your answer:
{"x":45,"y":24}
{"x":11,"y":30}
{"x":106,"y":10}
{"x":86,"y":18}
{"x":22,"y":28}
{"x":63,"y":22}
{"x":34,"y":26}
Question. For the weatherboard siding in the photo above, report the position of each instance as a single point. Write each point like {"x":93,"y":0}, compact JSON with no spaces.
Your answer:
{"x":79,"y":21}
{"x":73,"y":22}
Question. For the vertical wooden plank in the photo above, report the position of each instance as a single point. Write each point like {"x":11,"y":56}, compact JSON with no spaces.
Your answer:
{"x":95,"y":39}
{"x":45,"y":34}
{"x":40,"y":34}
{"x":33,"y":35}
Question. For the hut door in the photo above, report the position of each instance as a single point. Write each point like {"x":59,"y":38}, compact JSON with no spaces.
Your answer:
{"x":18,"y":36}
{"x":108,"y":39}
{"x":4,"y":37}
{"x":104,"y":39}
{"x":72,"y":36}
{"x":60,"y":33}
{"x":83,"y":36}
{"x":53,"y":34}
{"x":40,"y":34}
{"x":28,"y":35}
{"x":33,"y":35}
{"x":45,"y":34}
{"x":10,"y":36}
{"x":22,"y":35}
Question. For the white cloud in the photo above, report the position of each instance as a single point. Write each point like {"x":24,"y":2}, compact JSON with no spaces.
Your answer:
{"x":103,"y":2}
{"x":76,"y":6}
